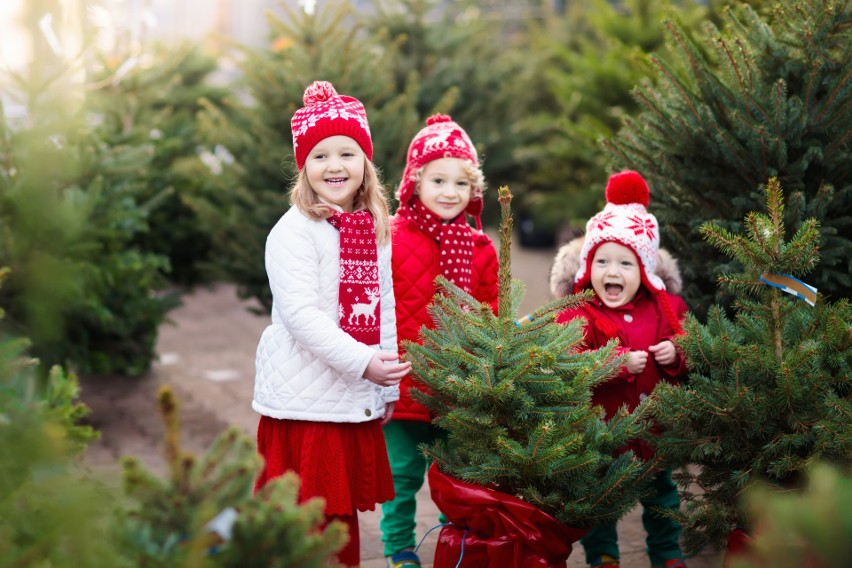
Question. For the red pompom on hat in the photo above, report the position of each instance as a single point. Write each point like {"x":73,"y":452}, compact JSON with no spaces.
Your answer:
{"x":627,"y":187}
{"x":440,"y":138}
{"x":326,"y":114}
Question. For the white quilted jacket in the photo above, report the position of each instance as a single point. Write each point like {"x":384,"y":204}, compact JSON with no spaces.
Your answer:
{"x":307,"y":367}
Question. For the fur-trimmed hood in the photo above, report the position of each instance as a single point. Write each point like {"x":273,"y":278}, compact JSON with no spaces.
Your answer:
{"x":567,"y":263}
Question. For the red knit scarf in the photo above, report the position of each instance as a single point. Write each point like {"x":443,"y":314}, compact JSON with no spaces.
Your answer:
{"x":358,"y":299}
{"x":455,"y":240}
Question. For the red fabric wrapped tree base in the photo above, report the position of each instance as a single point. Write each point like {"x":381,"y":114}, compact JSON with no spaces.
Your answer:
{"x":494,"y":529}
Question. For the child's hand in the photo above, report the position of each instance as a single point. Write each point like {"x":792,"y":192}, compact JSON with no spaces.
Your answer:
{"x":636,"y":361}
{"x":389,"y":406}
{"x":386,"y":374}
{"x":664,"y":352}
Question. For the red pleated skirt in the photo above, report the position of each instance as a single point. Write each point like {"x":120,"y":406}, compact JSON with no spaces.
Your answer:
{"x":345,"y":463}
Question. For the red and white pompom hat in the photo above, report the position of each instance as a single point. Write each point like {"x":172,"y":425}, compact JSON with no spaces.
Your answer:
{"x":440,"y":138}
{"x":626,"y":221}
{"x":328,"y":114}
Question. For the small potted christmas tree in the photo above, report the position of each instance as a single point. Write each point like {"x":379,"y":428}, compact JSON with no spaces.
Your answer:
{"x":769,"y":390}
{"x":528,"y":463}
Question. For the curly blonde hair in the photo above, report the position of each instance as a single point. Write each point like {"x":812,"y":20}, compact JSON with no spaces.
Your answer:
{"x":370,"y":196}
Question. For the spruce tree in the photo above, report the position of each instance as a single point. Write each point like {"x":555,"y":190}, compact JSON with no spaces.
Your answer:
{"x":49,"y":508}
{"x":590,"y":57}
{"x":515,"y":402}
{"x":204,"y":514}
{"x":153,"y":106}
{"x":56,"y":512}
{"x":762,"y":97}
{"x":70,"y":205}
{"x":769,"y":392}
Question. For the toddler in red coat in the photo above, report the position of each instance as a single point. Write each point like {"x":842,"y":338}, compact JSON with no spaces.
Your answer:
{"x":430,"y":235}
{"x":618,"y":259}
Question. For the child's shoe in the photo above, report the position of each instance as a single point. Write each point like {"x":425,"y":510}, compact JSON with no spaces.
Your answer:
{"x":605,"y":561}
{"x":403,"y":559}
{"x":673,"y":563}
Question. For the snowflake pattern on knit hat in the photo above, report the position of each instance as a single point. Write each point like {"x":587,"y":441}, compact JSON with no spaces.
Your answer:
{"x":626,"y":221}
{"x":440,"y":138}
{"x":328,"y":114}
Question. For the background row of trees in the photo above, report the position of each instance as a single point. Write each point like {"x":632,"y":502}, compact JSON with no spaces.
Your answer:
{"x":155,"y":174}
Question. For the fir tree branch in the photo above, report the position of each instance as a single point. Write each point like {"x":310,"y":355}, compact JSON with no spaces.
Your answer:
{"x":686,"y":51}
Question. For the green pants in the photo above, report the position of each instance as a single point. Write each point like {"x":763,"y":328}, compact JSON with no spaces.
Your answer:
{"x":408,"y":467}
{"x":663,"y":533}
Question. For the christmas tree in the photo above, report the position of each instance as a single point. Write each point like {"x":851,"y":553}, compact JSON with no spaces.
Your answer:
{"x":153,"y":106}
{"x":55,"y":512}
{"x":763,"y":96}
{"x":515,"y":403}
{"x":74,"y":203}
{"x":769,"y":392}
{"x":204,"y":513}
{"x":591,"y":57}
{"x":49,"y":508}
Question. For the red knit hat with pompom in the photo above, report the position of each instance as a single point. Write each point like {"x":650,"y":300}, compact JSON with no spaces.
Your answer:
{"x":328,"y":114}
{"x":626,"y":221}
{"x":440,"y":138}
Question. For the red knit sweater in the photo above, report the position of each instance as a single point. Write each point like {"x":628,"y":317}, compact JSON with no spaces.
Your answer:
{"x":414,"y":259}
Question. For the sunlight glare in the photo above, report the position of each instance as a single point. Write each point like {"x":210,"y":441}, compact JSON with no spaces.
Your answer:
{"x":15,"y":50}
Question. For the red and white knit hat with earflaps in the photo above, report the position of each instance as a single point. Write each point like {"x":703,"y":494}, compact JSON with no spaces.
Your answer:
{"x":440,"y":138}
{"x":328,"y":114}
{"x":625,"y":220}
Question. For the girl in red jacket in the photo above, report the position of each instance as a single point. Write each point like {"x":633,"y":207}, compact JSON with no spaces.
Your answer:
{"x":618,"y":259}
{"x":430,"y":235}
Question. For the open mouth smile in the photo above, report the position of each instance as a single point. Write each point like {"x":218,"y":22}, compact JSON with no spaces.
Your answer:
{"x":613,"y":290}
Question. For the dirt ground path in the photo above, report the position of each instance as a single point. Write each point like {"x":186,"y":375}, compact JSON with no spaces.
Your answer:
{"x":206,"y":353}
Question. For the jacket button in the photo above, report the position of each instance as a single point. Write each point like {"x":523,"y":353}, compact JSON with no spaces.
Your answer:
{"x":368,"y":412}
{"x":642,"y":396}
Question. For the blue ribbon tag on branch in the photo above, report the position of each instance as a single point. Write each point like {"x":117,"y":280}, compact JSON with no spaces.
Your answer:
{"x":791,"y":285}
{"x":524,"y":320}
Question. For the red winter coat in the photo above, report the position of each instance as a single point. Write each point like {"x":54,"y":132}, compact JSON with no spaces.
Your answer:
{"x":637,"y":325}
{"x":414,"y":259}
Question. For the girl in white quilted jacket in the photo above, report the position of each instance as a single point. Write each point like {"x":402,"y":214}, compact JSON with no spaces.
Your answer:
{"x":328,"y":371}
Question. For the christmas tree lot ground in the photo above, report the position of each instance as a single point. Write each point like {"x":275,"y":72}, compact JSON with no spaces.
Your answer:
{"x":207,"y":355}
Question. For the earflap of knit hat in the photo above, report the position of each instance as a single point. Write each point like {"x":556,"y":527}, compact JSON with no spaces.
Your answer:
{"x":440,"y":138}
{"x":626,"y":221}
{"x":327,"y":113}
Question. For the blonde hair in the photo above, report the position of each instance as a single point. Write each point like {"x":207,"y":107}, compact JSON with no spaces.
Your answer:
{"x":471,"y":169}
{"x":370,"y":196}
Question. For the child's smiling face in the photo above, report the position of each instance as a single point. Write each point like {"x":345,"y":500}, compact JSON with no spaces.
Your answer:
{"x":445,"y":187}
{"x":335,"y":170}
{"x":615,"y":274}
